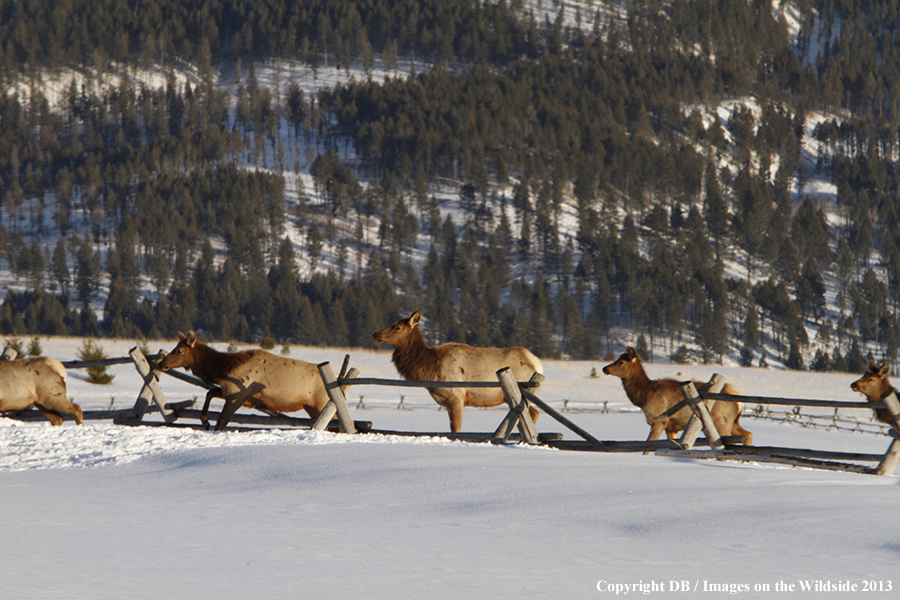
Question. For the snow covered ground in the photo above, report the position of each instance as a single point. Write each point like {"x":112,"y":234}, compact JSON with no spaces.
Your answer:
{"x":102,"y":511}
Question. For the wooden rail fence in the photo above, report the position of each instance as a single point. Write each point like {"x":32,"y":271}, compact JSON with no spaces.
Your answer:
{"x":519,"y":397}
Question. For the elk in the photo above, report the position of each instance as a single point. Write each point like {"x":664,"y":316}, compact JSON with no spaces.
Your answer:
{"x":452,"y":361}
{"x":874,"y":385}
{"x":656,"y":396}
{"x":252,"y":378}
{"x":38,"y":382}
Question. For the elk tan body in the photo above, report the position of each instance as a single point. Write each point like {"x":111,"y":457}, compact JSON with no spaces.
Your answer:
{"x":417,"y":361}
{"x":38,"y":382}
{"x":253,"y":378}
{"x":874,"y":384}
{"x":656,"y":396}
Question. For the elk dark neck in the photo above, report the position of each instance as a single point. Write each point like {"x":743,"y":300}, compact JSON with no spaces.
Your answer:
{"x":416,"y":360}
{"x":638,"y":386}
{"x":210,"y":365}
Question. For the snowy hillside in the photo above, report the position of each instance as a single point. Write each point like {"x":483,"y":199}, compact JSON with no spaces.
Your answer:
{"x":290,"y":156}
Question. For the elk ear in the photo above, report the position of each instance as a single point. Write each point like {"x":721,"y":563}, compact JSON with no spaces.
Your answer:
{"x":884,"y":370}
{"x":181,"y":336}
{"x":191,"y":339}
{"x":415,"y":318}
{"x":631,"y":352}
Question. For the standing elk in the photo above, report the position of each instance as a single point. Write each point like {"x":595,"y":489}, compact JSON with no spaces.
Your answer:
{"x":417,"y":361}
{"x":252,"y":378}
{"x":656,"y":396}
{"x":38,"y":382}
{"x":874,"y":385}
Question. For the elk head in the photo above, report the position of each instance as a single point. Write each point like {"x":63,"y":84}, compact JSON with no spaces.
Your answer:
{"x":624,"y":365}
{"x":183,"y":353}
{"x":874,"y":382}
{"x":398,"y":333}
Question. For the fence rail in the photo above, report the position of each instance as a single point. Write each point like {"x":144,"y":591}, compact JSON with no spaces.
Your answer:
{"x":105,"y":362}
{"x":795,"y":401}
{"x":428,"y":384}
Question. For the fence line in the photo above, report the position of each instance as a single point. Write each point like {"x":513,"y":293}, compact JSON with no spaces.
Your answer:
{"x":833,"y":422}
{"x":518,"y":398}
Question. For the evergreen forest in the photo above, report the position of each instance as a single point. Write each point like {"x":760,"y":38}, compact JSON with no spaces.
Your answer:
{"x":567,"y":176}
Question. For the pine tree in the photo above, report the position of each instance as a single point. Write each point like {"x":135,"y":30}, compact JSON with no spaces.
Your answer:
{"x":811,"y":291}
{"x":87,"y":271}
{"x":751,"y":328}
{"x":751,"y":217}
{"x":856,"y":362}
{"x":795,"y":358}
{"x":314,"y":245}
{"x":60,"y":265}
{"x":861,"y":232}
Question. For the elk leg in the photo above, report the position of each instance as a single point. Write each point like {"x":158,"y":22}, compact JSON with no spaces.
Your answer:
{"x":656,"y":429}
{"x":535,"y":413}
{"x":204,"y":414}
{"x":736,"y":429}
{"x":659,"y":425}
{"x":58,"y":403}
{"x":65,"y":406}
{"x":228,"y":411}
{"x":53,"y":416}
{"x":77,"y":413}
{"x":456,"y":415}
{"x":232,"y":403}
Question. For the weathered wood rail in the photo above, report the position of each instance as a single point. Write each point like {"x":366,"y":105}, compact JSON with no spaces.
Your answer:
{"x":107,"y":362}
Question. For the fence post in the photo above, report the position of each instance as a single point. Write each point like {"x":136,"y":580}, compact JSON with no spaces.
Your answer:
{"x":150,"y":389}
{"x":694,"y":425}
{"x":518,"y":410}
{"x":337,"y":398}
{"x":892,"y":456}
{"x":330,"y":409}
{"x":699,"y":407}
{"x":509,"y":421}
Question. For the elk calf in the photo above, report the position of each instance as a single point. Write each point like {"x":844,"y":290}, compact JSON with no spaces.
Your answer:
{"x":38,"y":382}
{"x":417,"y":361}
{"x":656,"y":396}
{"x":874,"y":385}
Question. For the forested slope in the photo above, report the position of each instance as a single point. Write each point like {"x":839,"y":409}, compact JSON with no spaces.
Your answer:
{"x":534,"y":178}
